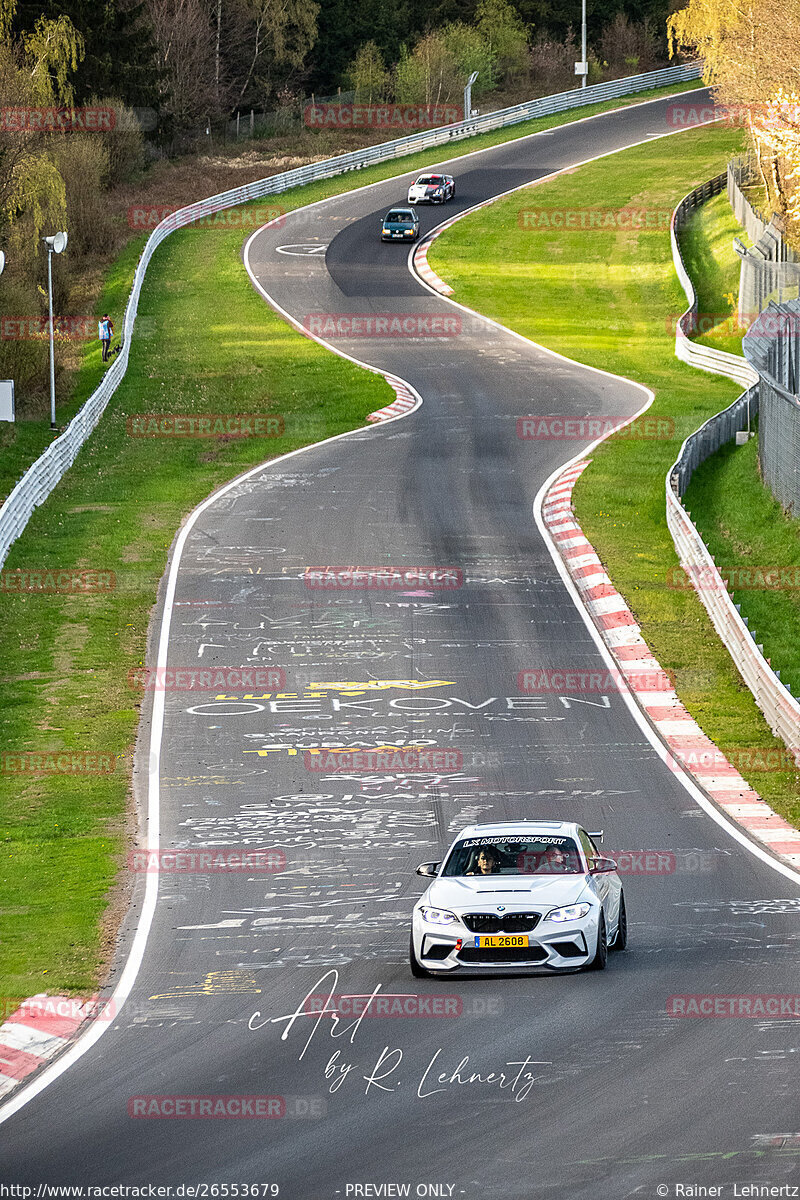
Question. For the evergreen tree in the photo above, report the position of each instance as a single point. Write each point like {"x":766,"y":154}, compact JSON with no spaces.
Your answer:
{"x":120,"y":58}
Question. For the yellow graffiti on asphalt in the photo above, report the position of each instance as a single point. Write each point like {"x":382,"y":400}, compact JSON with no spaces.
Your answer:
{"x":215,"y":983}
{"x":380,"y":685}
{"x":317,"y":691}
{"x":292,"y":750}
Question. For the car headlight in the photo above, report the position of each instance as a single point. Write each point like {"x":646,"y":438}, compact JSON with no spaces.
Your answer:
{"x":572,"y":912}
{"x":385,"y":230}
{"x":438,"y":916}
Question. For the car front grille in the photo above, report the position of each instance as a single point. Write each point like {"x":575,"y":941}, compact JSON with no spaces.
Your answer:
{"x":501,"y":954}
{"x":514,"y":922}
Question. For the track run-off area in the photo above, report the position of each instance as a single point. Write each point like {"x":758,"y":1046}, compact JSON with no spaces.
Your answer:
{"x":541,"y":1086}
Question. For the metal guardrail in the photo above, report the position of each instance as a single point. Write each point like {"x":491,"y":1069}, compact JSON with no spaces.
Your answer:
{"x":716,"y":362}
{"x":39,"y":480}
{"x":776,"y":702}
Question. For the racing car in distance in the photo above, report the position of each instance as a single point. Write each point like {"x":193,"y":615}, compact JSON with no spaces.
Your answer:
{"x":400,"y":224}
{"x":432,"y":189}
{"x":519,"y":895}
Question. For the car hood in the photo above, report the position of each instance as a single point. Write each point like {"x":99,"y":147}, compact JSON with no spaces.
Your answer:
{"x":514,"y":893}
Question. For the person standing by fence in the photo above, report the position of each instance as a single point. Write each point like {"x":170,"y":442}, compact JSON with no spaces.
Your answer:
{"x":105,"y":331}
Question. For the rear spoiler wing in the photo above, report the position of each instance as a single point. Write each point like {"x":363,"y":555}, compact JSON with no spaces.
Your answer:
{"x":596,"y":837}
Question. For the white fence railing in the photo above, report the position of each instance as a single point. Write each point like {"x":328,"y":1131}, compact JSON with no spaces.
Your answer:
{"x":39,"y":480}
{"x":778,"y":705}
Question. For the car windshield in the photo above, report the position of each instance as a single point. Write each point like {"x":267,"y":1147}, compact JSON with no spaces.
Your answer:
{"x":425,"y":180}
{"x":525,"y":855}
{"x":398,"y":217}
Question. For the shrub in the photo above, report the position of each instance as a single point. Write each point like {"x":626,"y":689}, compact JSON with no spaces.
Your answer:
{"x":83,"y":163}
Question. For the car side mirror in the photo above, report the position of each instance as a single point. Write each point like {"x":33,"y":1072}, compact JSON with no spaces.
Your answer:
{"x":428,"y":868}
{"x":602,"y":866}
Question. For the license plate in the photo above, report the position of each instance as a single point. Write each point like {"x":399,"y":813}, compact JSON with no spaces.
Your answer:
{"x":399,"y":234}
{"x":504,"y":941}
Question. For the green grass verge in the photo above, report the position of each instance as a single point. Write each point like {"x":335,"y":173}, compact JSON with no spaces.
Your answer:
{"x":609,"y":298}
{"x":748,"y":532}
{"x":64,"y":660}
{"x":713,"y":266}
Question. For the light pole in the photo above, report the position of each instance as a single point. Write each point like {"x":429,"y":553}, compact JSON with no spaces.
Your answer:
{"x":582,"y":67}
{"x":55,"y":244}
{"x":468,"y":96}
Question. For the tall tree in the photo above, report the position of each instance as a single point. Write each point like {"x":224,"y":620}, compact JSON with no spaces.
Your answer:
{"x":119,"y":52}
{"x":751,"y":60}
{"x":344,"y":26}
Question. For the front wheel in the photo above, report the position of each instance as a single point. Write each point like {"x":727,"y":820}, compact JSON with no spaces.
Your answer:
{"x":600,"y":959}
{"x":621,"y":939}
{"x":417,"y":970}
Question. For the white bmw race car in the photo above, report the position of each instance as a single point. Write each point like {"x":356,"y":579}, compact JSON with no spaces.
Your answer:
{"x":520,"y":894}
{"x":432,"y":189}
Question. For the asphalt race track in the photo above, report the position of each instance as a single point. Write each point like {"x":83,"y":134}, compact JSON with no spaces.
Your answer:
{"x":605,"y":1093}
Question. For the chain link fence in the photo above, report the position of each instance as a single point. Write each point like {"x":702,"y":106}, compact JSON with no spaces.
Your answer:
{"x":772,"y":346}
{"x":769,"y":269}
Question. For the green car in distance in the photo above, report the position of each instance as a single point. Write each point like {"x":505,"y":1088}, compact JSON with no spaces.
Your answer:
{"x":400,"y":225}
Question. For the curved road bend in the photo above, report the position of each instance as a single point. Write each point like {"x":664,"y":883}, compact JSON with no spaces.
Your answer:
{"x":610,"y":1096}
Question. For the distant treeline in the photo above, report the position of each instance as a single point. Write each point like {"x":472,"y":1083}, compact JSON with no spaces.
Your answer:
{"x":195,"y":63}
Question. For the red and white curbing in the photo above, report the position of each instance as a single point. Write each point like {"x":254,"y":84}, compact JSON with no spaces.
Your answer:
{"x":693,"y":752}
{"x":406,"y":400}
{"x":426,"y":271}
{"x":39,"y":1029}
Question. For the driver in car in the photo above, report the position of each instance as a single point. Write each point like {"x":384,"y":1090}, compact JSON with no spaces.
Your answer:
{"x":488,"y":862}
{"x":555,"y":861}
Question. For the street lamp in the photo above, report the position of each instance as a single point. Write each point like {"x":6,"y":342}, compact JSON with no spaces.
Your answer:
{"x":582,"y":67}
{"x":468,"y":96}
{"x":55,"y":244}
